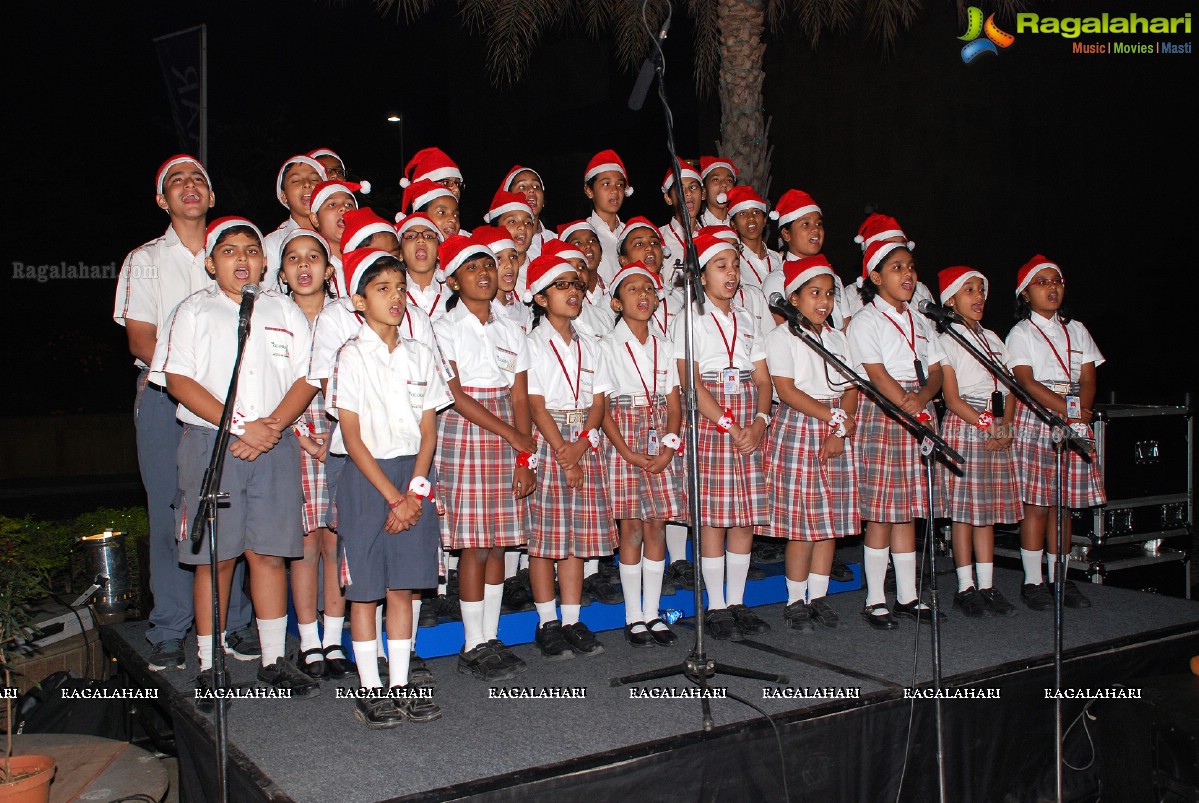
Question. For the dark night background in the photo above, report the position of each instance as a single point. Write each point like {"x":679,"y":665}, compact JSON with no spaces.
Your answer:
{"x":1087,"y":159}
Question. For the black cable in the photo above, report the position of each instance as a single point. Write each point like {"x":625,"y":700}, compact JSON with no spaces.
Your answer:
{"x":87,"y":646}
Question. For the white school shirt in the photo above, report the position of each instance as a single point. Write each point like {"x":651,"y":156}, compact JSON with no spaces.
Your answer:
{"x":154,"y":278}
{"x":853,"y":298}
{"x":669,"y":313}
{"x":431,"y":300}
{"x":974,"y":380}
{"x":487,"y":356}
{"x":631,"y":371}
{"x":787,"y":355}
{"x":596,"y":317}
{"x":674,"y":248}
{"x":712,"y":346}
{"x":880,"y":335}
{"x":1026,"y":346}
{"x":201,"y":344}
{"x":538,"y":240}
{"x":752,"y":299}
{"x":518,"y":312}
{"x":338,"y":322}
{"x":555,"y":370}
{"x":272,"y":248}
{"x":755,"y":269}
{"x":610,"y":263}
{"x":388,"y":390}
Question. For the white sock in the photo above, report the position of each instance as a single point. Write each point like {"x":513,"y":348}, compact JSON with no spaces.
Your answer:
{"x":874,"y":566}
{"x":905,"y":576}
{"x":204,"y":648}
{"x":796,"y":590}
{"x":737,"y":566}
{"x":1031,"y":559}
{"x":273,"y":635}
{"x":590,"y":567}
{"x":334,"y":626}
{"x":1050,"y":567}
{"x":817,"y":586}
{"x":651,"y":587}
{"x":310,"y":639}
{"x":511,"y":563}
{"x":400,"y":651}
{"x":524,"y":560}
{"x":986,"y":574}
{"x":415,"y":622}
{"x":965,"y":577}
{"x":570,"y":614}
{"x":713,"y":571}
{"x":441,"y":588}
{"x":380,"y":647}
{"x":366,"y":655}
{"x":451,"y":562}
{"x":546,"y":612}
{"x":630,"y":584}
{"x":676,"y":542}
{"x":493,"y":599}
{"x":472,"y":624}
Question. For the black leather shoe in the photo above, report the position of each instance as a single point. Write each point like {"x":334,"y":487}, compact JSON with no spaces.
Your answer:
{"x":662,"y":633}
{"x":971,"y":602}
{"x":823,"y":614}
{"x":748,"y":622}
{"x":1036,"y":596}
{"x":510,"y":659}
{"x":721,"y":625}
{"x":313,"y":669}
{"x":419,"y":674}
{"x":377,"y":713}
{"x":414,"y":709}
{"x":602,"y":590}
{"x":997,"y":603}
{"x":552,"y":642}
{"x":879,"y":616}
{"x":581,"y":639}
{"x":916,"y":610}
{"x":484,"y":663}
{"x":1073,"y":598}
{"x":798,"y":616}
{"x":638,"y":635}
{"x":337,"y":664}
{"x":841,"y":571}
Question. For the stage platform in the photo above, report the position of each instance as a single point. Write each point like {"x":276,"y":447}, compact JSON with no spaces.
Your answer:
{"x":621,"y":743}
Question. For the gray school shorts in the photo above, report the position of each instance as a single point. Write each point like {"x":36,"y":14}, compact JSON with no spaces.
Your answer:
{"x":264,"y":511}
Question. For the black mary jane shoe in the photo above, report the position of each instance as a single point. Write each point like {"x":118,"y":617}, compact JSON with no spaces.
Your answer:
{"x":663,"y":635}
{"x":879,"y":621}
{"x":638,"y":635}
{"x":313,"y":669}
{"x":338,"y":668}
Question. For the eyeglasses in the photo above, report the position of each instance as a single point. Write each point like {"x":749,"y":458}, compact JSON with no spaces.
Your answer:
{"x":413,"y":236}
{"x":452,"y":183}
{"x":563,"y":284}
{"x":1056,"y":281}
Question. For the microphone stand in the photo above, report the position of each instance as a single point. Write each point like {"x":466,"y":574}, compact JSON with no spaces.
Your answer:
{"x":206,"y":519}
{"x":931,"y":445}
{"x":697,"y":667}
{"x":1062,"y":436}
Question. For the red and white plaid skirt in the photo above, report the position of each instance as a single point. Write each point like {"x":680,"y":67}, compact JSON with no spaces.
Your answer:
{"x":809,"y":500}
{"x":635,"y":493}
{"x":982,"y":491}
{"x":474,"y":478}
{"x":731,"y":485}
{"x":312,"y":471}
{"x":1036,"y":467}
{"x":567,"y":522}
{"x":887,"y":460}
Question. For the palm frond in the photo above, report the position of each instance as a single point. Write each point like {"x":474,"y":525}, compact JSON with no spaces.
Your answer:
{"x":594,"y":17}
{"x":885,"y":19}
{"x":513,"y":29}
{"x":406,"y":10}
{"x":705,"y":15}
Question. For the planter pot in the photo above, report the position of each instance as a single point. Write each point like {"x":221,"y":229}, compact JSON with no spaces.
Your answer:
{"x":32,"y":788}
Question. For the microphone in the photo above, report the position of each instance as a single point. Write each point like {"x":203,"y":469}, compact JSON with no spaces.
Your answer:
{"x":779,"y":304}
{"x":248,"y":294}
{"x":940,"y":314}
{"x":646,"y":76}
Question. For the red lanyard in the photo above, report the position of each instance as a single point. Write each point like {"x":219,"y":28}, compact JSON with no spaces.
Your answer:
{"x":574,"y":388}
{"x":1064,"y":364}
{"x":750,"y":258}
{"x":665,"y":316}
{"x":433,"y":308}
{"x":729,"y":347}
{"x":911,"y":341}
{"x":408,"y":318}
{"x":982,"y":341}
{"x":654,"y":377}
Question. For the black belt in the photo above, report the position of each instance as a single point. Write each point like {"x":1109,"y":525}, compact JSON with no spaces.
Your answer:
{"x":155,"y":386}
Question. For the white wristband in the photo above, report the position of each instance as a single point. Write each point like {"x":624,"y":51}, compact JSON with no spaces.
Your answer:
{"x":672,"y":441}
{"x":765,"y":418}
{"x":421,"y":487}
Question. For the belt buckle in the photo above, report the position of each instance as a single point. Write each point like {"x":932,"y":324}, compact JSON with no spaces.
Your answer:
{"x":574,"y":417}
{"x":1060,"y":388}
{"x":640,"y":400}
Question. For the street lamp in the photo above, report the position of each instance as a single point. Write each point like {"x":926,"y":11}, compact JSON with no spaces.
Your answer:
{"x":398,"y":119}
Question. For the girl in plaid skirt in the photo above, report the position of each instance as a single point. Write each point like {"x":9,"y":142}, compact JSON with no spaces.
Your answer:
{"x":982,"y":491}
{"x":1054,"y":358}
{"x":644,"y":417}
{"x":809,"y":459}
{"x":734,"y":408}
{"x":899,"y":352}
{"x":485,"y":445}
{"x":570,"y":517}
{"x":305,"y":274}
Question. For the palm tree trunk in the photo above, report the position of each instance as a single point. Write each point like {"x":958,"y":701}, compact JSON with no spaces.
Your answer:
{"x":743,"y":119}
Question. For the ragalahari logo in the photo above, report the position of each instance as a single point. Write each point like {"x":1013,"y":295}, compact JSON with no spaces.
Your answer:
{"x":995,"y":38}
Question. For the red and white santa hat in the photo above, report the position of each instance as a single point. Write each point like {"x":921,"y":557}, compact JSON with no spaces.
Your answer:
{"x":326,"y":189}
{"x":419,"y":194}
{"x":516,"y":170}
{"x":798,"y":271}
{"x":631,"y":225}
{"x":744,"y":197}
{"x":219,"y":226}
{"x":568,"y":230}
{"x":297,"y":159}
{"x":637,"y":269}
{"x":496,"y":238}
{"x":543,"y":270}
{"x":603,"y":162}
{"x":721,"y":232}
{"x":355,"y":263}
{"x":456,"y":252}
{"x":880,"y":227}
{"x":418,"y":219}
{"x":952,"y":279}
{"x":297,"y":233}
{"x":686,"y":171}
{"x":1031,"y":268}
{"x":563,"y":250}
{"x":161,"y":176}
{"x":429,"y":164}
{"x":360,"y":226}
{"x":707,"y":246}
{"x":876,"y":252}
{"x":319,"y":152}
{"x":793,"y":205}
{"x":709,"y":163}
{"x":505,"y":202}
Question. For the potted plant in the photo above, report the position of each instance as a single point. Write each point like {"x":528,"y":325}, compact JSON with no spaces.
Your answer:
{"x":24,"y":778}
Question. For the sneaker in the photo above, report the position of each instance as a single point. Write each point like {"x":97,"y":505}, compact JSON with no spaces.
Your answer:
{"x":748,"y":622}
{"x":721,"y":625}
{"x":768,"y":550}
{"x":337,"y":664}
{"x":244,"y":644}
{"x":971,"y":602}
{"x":997,"y":603}
{"x":841,"y":571}
{"x":683,"y":574}
{"x":419,"y":674}
{"x":283,"y":674}
{"x":511,"y":659}
{"x":755,"y":572}
{"x":167,"y":654}
{"x":669,"y":589}
{"x":1073,"y":598}
{"x":798,"y":616}
{"x":1036,"y":596}
{"x":516,"y":597}
{"x":429,"y":609}
{"x":415,"y":709}
{"x":377,"y":713}
{"x":609,"y":570}
{"x":581,"y":639}
{"x":484,"y":663}
{"x":205,"y":683}
{"x":602,"y":590}
{"x":823,"y":614}
{"x":552,"y":642}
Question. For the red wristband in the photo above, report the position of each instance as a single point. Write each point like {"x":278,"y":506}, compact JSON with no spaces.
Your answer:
{"x":726,"y":421}
{"x":985,"y":419}
{"x":526,"y":460}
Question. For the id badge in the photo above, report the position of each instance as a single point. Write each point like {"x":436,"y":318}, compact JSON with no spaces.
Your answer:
{"x":653,"y":444}
{"x":732,"y":381}
{"x":921,"y":379}
{"x":575,"y":431}
{"x":997,"y":404}
{"x":1073,"y":407}
{"x":506,"y":360}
